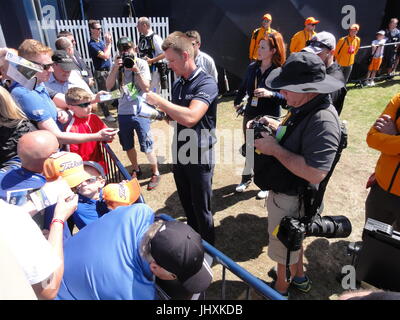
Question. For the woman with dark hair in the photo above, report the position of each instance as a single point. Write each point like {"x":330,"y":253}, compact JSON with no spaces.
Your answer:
{"x":13,"y":124}
{"x":261,"y":101}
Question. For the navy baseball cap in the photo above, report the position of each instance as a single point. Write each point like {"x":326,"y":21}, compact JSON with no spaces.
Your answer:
{"x":177,"y":248}
{"x":64,"y":60}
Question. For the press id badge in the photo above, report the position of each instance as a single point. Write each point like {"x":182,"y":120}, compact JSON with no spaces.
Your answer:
{"x":84,"y":73}
{"x":254,"y":102}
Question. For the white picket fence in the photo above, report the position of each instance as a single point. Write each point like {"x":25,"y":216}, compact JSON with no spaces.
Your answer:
{"x":118,"y":27}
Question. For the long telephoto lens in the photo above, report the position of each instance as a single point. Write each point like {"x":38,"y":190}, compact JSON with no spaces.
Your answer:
{"x":330,"y":227}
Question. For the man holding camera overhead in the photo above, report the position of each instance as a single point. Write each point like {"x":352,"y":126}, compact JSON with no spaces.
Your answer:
{"x":100,"y":52}
{"x":302,"y":152}
{"x":132,"y":77}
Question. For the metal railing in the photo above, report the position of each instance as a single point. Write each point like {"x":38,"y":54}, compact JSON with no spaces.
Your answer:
{"x":116,"y":172}
{"x":363,"y":81}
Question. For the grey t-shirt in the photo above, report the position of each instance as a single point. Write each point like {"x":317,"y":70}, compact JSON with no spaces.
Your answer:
{"x":127,"y":105}
{"x":316,"y":137}
{"x":204,"y":61}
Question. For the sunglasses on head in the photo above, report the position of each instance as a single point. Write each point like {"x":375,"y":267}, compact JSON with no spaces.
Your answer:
{"x":318,"y":44}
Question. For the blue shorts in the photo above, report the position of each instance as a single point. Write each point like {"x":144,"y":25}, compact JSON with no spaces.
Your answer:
{"x":130,"y":123}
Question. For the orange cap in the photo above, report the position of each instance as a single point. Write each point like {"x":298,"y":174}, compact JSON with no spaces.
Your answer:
{"x":267,"y":16}
{"x":67,"y":165}
{"x":311,"y":20}
{"x":123,"y":193}
{"x":354,"y":26}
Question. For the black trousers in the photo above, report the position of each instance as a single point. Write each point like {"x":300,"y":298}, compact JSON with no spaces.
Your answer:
{"x":194,"y":186}
{"x":383,"y":206}
{"x":101,"y":77}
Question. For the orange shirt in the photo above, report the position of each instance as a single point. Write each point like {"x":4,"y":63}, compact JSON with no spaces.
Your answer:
{"x":346,"y":50}
{"x":300,"y":39}
{"x":256,"y":36}
{"x":387,"y":170}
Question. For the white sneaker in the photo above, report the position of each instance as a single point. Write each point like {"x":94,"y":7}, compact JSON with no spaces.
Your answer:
{"x":371,"y":84}
{"x":243,"y":186}
{"x":110,"y":118}
{"x":262,"y":194}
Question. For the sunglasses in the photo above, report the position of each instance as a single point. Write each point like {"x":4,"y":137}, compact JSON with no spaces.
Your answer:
{"x":83,"y":105}
{"x":124,"y":47}
{"x":91,"y":180}
{"x":45,"y":67}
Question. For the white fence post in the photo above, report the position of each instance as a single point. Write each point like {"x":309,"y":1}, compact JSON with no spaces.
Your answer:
{"x":118,"y":27}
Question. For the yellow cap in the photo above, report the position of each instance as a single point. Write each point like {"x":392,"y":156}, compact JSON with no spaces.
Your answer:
{"x":267,"y":16}
{"x":67,"y":165}
{"x":354,"y":26}
{"x":123,"y":193}
{"x":311,"y":20}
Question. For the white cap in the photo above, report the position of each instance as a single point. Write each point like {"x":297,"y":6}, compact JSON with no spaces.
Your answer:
{"x":320,"y":41}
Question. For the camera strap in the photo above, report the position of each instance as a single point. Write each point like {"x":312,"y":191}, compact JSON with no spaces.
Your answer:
{"x":288,"y":273}
{"x":313,"y":196}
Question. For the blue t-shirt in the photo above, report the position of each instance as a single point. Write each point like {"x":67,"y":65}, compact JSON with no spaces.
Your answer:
{"x":36,"y":103}
{"x":199,"y":86}
{"x":88,"y":211}
{"x":102,"y":261}
{"x":15,"y":185}
{"x":95,"y":46}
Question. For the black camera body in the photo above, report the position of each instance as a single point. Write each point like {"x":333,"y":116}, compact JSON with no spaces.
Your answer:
{"x":259,"y":128}
{"x":128,"y":60}
{"x":292,"y":231}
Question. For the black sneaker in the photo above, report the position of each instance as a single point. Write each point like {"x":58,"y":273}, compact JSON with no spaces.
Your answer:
{"x":136,"y":173}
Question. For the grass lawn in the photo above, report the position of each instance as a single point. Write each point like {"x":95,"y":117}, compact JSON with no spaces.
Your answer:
{"x":241,"y":220}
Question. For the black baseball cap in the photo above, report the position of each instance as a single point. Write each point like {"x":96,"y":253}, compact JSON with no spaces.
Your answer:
{"x":124,"y":42}
{"x":64,"y":60}
{"x":177,"y":248}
